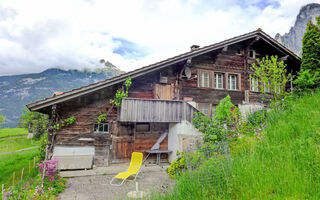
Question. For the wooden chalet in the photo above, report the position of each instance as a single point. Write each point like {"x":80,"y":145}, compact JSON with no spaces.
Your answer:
{"x":163,"y":97}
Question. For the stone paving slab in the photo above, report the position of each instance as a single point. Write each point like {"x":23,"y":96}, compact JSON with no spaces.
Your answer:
{"x":97,"y":187}
{"x":110,"y":170}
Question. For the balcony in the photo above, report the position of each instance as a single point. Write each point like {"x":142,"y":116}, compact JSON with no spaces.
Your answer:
{"x":155,"y":110}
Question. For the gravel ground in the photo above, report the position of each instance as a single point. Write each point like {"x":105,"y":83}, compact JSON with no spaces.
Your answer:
{"x":97,"y":187}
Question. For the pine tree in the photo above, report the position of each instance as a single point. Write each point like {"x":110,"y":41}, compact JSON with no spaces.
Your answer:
{"x":311,"y":48}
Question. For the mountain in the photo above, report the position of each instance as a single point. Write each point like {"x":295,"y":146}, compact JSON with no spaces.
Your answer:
{"x":18,"y":90}
{"x":293,"y":39}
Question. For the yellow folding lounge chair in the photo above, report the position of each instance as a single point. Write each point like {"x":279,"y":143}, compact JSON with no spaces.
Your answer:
{"x":134,"y":169}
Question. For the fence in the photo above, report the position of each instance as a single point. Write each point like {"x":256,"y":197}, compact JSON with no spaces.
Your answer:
{"x":209,"y":165}
{"x":28,"y":171}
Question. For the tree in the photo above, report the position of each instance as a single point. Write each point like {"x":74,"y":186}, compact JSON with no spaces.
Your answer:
{"x":311,"y":48}
{"x":272,"y":76}
{"x":2,"y":120}
{"x":36,"y":122}
{"x":308,"y":78}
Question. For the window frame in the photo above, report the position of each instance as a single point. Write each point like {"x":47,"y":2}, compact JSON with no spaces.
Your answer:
{"x":202,"y":104}
{"x":98,"y":127}
{"x":142,"y":131}
{"x":252,"y":88}
{"x":200,"y":79}
{"x":222,"y":81}
{"x":235,"y":81}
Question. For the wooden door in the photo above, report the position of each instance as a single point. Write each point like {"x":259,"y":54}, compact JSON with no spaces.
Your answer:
{"x":163,"y":91}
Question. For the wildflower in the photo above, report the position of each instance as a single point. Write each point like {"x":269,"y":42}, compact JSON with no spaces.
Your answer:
{"x":50,"y":188}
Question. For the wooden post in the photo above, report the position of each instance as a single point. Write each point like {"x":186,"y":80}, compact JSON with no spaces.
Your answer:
{"x":44,"y":168}
{"x":22,"y":173}
{"x":13,"y":177}
{"x":291,"y":84}
{"x":2,"y":191}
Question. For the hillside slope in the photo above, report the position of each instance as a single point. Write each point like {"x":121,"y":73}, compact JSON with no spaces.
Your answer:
{"x":18,"y":90}
{"x":283,"y":164}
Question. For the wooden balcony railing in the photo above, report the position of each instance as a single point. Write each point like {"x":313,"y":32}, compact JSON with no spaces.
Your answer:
{"x":155,"y":110}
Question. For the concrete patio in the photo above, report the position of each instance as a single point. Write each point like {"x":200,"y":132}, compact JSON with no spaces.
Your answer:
{"x":94,"y":184}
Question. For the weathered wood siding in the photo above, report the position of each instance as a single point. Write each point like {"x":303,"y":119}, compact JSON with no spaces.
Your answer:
{"x":143,"y":110}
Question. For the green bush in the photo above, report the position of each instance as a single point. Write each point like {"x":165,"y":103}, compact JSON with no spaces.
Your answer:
{"x":257,"y":117}
{"x":177,"y":166}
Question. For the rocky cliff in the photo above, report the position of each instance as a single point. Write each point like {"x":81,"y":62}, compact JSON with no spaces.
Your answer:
{"x":293,"y":39}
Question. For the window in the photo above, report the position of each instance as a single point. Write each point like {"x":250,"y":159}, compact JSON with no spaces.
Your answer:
{"x":252,"y":54}
{"x":204,"y":108}
{"x":142,"y":127}
{"x":204,"y":79}
{"x":214,"y":111}
{"x":218,"y":80}
{"x":267,"y":87}
{"x":277,"y":89}
{"x":101,"y":128}
{"x":232,"y":82}
{"x":254,"y":85}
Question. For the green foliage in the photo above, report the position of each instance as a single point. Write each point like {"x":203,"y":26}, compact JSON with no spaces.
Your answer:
{"x":215,"y":130}
{"x":31,"y":188}
{"x":212,"y":130}
{"x":284,"y":164}
{"x":43,"y":146}
{"x":306,"y":81}
{"x":257,"y":117}
{"x":227,"y":113}
{"x":272,"y":76}
{"x":121,"y":93}
{"x":177,"y":166}
{"x":67,"y":122}
{"x":36,"y":122}
{"x":102,"y":118}
{"x":311,"y":51}
{"x":2,"y":120}
{"x":10,"y":132}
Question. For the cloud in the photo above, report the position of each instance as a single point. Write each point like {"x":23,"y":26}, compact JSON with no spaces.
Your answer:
{"x":38,"y":34}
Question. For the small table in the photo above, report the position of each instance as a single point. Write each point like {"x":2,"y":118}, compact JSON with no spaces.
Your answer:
{"x":158,"y":153}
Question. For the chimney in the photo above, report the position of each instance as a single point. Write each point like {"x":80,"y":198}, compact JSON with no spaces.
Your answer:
{"x":194,"y":47}
{"x":57,"y":93}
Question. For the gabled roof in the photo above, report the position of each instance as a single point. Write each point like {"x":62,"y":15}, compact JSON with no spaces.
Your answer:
{"x":35,"y":106}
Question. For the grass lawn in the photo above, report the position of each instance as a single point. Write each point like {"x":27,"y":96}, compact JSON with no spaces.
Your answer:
{"x":12,"y":144}
{"x":6,"y":132}
{"x":14,"y":163}
{"x":284,"y":164}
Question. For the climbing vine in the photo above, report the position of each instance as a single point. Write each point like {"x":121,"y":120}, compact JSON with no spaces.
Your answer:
{"x":102,"y":118}
{"x":121,"y":93}
{"x":64,"y":123}
{"x":116,"y":101}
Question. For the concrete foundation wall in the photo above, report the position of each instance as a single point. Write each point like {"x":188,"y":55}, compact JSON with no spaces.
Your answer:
{"x":182,"y":136}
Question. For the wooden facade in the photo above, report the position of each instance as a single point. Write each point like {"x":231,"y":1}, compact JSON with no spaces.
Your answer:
{"x":158,"y":96}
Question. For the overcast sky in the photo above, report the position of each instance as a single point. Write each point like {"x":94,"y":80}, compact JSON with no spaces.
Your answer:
{"x":39,"y":34}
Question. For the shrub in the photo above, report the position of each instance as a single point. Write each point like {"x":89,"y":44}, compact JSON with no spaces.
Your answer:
{"x":257,"y":117}
{"x":50,"y":167}
{"x":177,"y":166}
